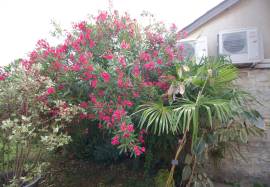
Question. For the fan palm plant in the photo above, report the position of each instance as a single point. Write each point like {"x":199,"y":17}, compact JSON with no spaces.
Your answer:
{"x":205,"y":109}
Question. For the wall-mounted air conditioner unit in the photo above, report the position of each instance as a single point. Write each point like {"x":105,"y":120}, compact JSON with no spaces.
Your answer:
{"x":242,"y":45}
{"x":194,"y":48}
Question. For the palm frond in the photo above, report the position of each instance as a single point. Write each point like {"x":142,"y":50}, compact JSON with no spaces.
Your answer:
{"x":220,"y":108}
{"x":225,"y":74}
{"x":156,"y":117}
{"x":187,"y":114}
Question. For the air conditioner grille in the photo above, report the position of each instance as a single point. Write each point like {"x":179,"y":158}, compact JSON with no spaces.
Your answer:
{"x":235,"y":43}
{"x":188,"y":50}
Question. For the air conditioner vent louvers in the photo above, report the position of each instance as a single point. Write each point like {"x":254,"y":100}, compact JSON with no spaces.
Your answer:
{"x":235,"y":43}
{"x":241,"y":45}
{"x":194,"y":49}
{"x":188,"y":50}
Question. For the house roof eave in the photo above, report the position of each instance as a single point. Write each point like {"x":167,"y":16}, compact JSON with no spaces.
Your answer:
{"x":209,"y":15}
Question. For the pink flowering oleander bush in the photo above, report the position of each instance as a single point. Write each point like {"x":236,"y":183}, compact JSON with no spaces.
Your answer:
{"x":108,"y":66}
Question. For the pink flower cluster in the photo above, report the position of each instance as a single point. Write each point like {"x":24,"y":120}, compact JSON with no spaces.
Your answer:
{"x":125,"y":45}
{"x":138,"y":150}
{"x":106,"y":77}
{"x":50,"y":90}
{"x":3,"y":77}
{"x":115,"y":140}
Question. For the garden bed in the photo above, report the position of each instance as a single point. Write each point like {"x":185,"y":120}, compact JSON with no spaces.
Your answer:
{"x":70,"y":173}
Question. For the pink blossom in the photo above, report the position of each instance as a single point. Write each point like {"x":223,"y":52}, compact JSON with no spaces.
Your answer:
{"x":93,"y":83}
{"x":136,"y":71}
{"x":83,"y":104}
{"x":145,"y":56}
{"x":2,"y":77}
{"x":89,"y":55}
{"x":155,"y":53}
{"x":101,"y":93}
{"x":119,"y":113}
{"x":83,"y":116}
{"x":61,"y":87}
{"x":109,"y":125}
{"x":126,"y":135}
{"x":91,"y":44}
{"x":159,"y":61}
{"x":120,"y":83}
{"x":88,"y":34}
{"x":141,"y":139}
{"x":102,"y":16}
{"x":147,"y":83}
{"x":106,"y":118}
{"x":127,"y":103}
{"x":76,"y":45}
{"x":125,"y":45}
{"x":115,"y":140}
{"x":92,"y":98}
{"x":119,"y":24}
{"x":108,"y":56}
{"x":25,"y":63}
{"x":143,"y":149}
{"x":33,"y":56}
{"x":76,"y":67}
{"x":51,"y":90}
{"x":42,"y":44}
{"x":123,"y":127}
{"x":87,"y":76}
{"x":91,"y":116}
{"x":119,"y":99}
{"x":71,"y":57}
{"x":56,"y":65}
{"x":181,"y":47}
{"x":130,"y":128}
{"x":142,"y":132}
{"x":99,"y":105}
{"x":81,"y":25}
{"x":128,"y":84}
{"x":100,"y":115}
{"x":149,"y":66}
{"x":106,"y":77}
{"x":162,"y":85}
{"x":100,"y":126}
{"x":169,"y":52}
{"x":122,"y":61}
{"x":136,"y":94}
{"x":137,"y":150}
{"x":82,"y":59}
{"x":89,"y":68}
